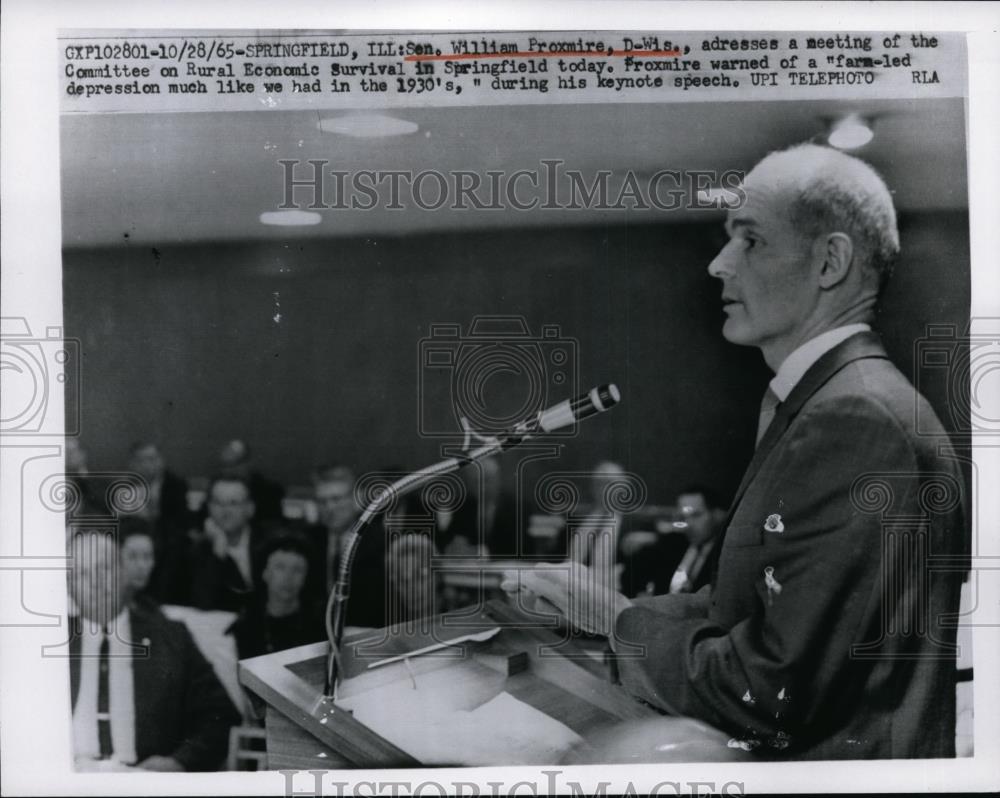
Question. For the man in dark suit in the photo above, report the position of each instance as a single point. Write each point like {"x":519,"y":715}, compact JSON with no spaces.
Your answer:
{"x":141,"y":691}
{"x":826,"y":635}
{"x":166,"y":505}
{"x":236,"y":460}
{"x":338,"y":510}
{"x":226,"y":561}
{"x":681,"y":561}
{"x":169,"y":519}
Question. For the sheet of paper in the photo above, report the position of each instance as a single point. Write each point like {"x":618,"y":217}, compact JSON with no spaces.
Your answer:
{"x":504,"y":730}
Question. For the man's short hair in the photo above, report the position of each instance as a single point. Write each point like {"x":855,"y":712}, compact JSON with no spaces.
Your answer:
{"x":130,"y":526}
{"x":333,"y":473}
{"x":223,"y":478}
{"x":836,"y":192}
{"x":710,"y":496}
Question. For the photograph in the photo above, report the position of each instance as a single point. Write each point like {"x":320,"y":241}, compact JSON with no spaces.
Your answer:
{"x":496,"y":399}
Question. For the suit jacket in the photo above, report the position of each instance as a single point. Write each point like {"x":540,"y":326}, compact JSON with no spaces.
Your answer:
{"x":658,"y":562}
{"x":216,"y":584}
{"x":499,"y":533}
{"x":267,"y":495}
{"x":181,"y":709}
{"x":174,"y":513}
{"x":826,"y":634}
{"x":367,"y":603}
{"x":256,"y":632}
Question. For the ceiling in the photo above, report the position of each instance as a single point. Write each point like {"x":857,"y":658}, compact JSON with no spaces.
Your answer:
{"x":195,"y":177}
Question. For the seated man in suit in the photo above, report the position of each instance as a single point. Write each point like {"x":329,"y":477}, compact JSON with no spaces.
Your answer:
{"x":676,"y":562}
{"x":598,"y":529}
{"x":225,"y":563}
{"x":236,"y":461}
{"x":483,"y":519}
{"x":826,"y":634}
{"x":415,"y":590}
{"x":338,"y":510}
{"x":280,"y":615}
{"x":166,"y":505}
{"x":138,"y":558}
{"x":142,"y":693}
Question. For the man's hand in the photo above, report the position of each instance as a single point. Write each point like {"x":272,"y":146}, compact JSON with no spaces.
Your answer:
{"x":163,"y":764}
{"x":571,"y":589}
{"x":220,"y":546}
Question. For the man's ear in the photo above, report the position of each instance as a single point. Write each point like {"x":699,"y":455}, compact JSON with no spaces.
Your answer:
{"x":837,"y":254}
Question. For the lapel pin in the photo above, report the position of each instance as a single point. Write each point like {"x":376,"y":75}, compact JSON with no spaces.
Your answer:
{"x":774,"y":523}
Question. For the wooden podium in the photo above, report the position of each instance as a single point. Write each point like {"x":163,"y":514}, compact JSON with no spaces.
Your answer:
{"x":529,"y":658}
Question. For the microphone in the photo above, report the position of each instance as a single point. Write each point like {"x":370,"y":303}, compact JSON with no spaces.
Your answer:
{"x":596,"y":400}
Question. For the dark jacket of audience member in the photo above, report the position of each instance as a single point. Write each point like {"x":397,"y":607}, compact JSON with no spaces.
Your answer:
{"x":181,"y":709}
{"x":654,"y":566}
{"x":216,"y":583}
{"x":498,"y":531}
{"x":174,"y":512}
{"x":256,"y":632}
{"x":280,"y":614}
{"x":367,"y":603}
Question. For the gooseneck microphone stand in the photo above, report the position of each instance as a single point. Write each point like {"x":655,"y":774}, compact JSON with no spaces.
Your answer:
{"x":597,"y":400}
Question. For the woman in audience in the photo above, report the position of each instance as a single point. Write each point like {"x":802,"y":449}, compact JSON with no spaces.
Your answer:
{"x":278,"y":615}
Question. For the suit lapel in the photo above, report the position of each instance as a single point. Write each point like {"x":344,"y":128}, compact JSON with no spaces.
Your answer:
{"x":857,"y":347}
{"x":144,"y":681}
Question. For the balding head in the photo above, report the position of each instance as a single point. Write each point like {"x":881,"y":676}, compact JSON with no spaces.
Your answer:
{"x":829,"y":191}
{"x":810,"y":247}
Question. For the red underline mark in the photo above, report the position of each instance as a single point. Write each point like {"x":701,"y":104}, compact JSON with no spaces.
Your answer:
{"x":475,"y":56}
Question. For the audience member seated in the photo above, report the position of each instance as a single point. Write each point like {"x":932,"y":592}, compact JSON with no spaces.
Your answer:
{"x":483,"y":522}
{"x":280,"y":615}
{"x":166,"y":505}
{"x":142,"y":693}
{"x":236,"y":461}
{"x":138,"y":554}
{"x":338,"y":510}
{"x":225,"y":564}
{"x":91,"y":489}
{"x":678,"y":562}
{"x":414,"y":590}
{"x":597,"y":529}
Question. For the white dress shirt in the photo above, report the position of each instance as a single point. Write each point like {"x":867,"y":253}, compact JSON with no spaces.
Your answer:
{"x":121,"y":691}
{"x":794,"y":367}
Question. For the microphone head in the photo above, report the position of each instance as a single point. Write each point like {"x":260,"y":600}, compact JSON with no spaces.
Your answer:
{"x":605,"y":397}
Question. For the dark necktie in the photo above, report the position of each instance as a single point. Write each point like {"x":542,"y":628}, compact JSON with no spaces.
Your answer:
{"x":768,"y":407}
{"x":103,"y":699}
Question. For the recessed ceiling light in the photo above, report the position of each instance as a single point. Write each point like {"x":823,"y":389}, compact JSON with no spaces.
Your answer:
{"x":290,"y":218}
{"x":850,"y":132}
{"x":368,"y":126}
